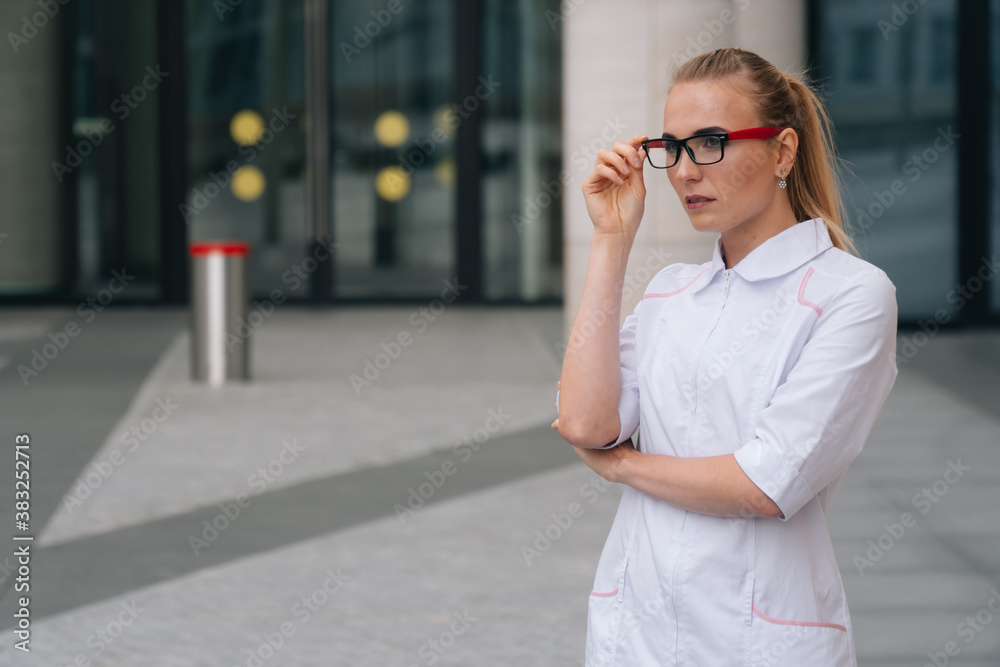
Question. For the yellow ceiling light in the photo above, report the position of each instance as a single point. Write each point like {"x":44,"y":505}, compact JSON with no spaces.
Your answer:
{"x":392,"y":183}
{"x":246,"y":127}
{"x":391,"y":128}
{"x":444,"y":172}
{"x":444,"y":119}
{"x":248,"y":183}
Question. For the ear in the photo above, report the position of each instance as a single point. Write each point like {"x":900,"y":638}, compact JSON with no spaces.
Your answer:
{"x":788,"y":146}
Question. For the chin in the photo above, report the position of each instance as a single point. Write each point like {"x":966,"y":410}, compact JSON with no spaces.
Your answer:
{"x":704,"y":223}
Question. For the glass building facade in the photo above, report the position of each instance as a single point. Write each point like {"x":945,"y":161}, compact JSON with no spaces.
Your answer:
{"x":443,"y":120}
{"x":911,"y":89}
{"x":436,"y":148}
{"x":395,"y":227}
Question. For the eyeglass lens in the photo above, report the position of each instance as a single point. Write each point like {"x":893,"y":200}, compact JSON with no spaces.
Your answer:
{"x":665,"y":153}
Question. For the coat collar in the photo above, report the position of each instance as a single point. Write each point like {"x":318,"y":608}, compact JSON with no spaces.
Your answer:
{"x":782,"y":253}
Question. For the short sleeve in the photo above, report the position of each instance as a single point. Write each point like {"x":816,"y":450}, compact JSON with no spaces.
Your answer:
{"x":819,"y":418}
{"x":628,"y":402}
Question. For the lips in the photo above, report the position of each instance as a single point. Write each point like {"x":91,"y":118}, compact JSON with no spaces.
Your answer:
{"x":697,"y":201}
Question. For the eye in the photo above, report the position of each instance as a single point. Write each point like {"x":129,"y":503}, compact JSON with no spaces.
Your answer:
{"x":712,"y":142}
{"x":669,"y":144}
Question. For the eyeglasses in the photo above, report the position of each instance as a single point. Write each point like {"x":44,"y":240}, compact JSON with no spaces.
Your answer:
{"x":707,"y":148}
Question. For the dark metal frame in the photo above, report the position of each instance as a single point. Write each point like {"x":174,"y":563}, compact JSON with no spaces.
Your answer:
{"x":974,"y":168}
{"x":319,"y":188}
{"x":172,"y":133}
{"x":468,"y":27}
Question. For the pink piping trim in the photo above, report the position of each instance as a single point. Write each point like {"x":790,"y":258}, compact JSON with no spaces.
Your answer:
{"x":663,"y":294}
{"x":604,"y":595}
{"x":802,"y":289}
{"x":811,"y":624}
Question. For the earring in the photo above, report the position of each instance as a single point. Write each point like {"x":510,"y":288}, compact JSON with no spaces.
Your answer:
{"x":782,"y":184}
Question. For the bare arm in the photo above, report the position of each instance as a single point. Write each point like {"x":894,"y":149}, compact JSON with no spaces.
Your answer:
{"x":590,"y":384}
{"x":707,"y":484}
{"x":713,"y":485}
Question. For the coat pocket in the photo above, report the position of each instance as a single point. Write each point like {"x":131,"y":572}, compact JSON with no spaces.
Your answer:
{"x":604,"y":616}
{"x":790,"y":639}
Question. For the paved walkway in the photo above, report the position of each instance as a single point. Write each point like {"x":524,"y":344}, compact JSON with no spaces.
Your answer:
{"x":308,"y":519}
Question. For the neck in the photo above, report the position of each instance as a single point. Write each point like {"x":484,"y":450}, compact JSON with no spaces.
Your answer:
{"x":739,"y":241}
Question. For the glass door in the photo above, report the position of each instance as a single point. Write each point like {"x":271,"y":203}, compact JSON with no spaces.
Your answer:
{"x":392,"y":129}
{"x":246,"y":137}
{"x":336,"y":153}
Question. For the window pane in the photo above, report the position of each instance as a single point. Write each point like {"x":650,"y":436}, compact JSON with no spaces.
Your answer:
{"x":115,"y":131}
{"x":246,"y":146}
{"x":896,"y":133}
{"x":521,"y":144}
{"x":393,"y":134}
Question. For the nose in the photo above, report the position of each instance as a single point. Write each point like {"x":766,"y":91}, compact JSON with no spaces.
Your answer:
{"x":686,"y":169}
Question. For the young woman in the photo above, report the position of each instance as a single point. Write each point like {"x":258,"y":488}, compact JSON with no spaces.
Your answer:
{"x":754,"y":380}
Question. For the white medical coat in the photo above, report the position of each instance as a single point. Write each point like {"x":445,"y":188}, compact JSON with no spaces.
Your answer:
{"x":784,"y":361}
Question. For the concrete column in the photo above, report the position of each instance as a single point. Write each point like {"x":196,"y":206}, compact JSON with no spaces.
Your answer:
{"x":29,"y":77}
{"x":618,"y":57}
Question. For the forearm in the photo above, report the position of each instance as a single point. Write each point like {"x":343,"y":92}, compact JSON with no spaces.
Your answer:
{"x":713,"y":485}
{"x":590,"y":384}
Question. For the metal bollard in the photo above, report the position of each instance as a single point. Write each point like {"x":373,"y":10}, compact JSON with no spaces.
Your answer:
{"x":219,"y":296}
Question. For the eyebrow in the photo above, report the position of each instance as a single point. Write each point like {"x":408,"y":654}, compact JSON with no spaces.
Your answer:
{"x":705,"y":130}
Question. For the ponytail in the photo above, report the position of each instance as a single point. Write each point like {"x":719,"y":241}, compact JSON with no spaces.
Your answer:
{"x":784,"y":100}
{"x":816,"y":191}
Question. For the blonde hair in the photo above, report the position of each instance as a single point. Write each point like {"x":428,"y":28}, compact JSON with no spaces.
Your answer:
{"x":785,"y":100}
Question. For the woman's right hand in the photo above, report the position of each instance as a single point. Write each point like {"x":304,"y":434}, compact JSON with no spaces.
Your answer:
{"x":614,"y":192}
